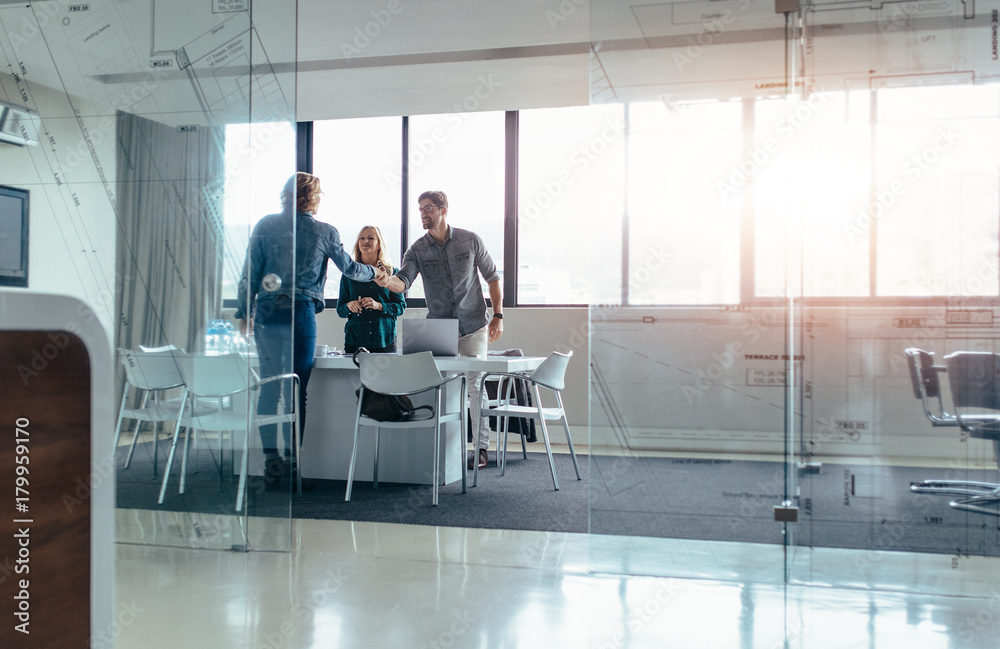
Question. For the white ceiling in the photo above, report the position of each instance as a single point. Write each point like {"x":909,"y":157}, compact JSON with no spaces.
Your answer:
{"x":316,"y":59}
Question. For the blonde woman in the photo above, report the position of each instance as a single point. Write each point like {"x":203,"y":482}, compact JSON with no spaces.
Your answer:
{"x":370,"y":309}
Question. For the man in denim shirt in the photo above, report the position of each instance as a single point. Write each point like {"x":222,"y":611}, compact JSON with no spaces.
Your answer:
{"x":279,"y":302}
{"x":448,"y":259}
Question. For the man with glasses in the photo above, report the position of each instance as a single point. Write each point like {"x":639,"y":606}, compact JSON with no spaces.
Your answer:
{"x":448,"y":259}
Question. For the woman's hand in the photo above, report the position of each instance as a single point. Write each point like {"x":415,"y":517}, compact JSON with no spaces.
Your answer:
{"x":370,"y":303}
{"x":354,"y":306}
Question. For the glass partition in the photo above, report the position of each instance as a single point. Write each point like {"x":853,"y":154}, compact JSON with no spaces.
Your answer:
{"x":141,"y":206}
{"x":754,"y":411}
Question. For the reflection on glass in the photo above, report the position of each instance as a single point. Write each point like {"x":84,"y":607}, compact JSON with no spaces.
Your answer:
{"x":938,"y":193}
{"x":571,"y":191}
{"x":810,"y":174}
{"x":462,"y":155}
{"x":359,"y":163}
{"x":684,"y":227}
{"x":258,"y":159}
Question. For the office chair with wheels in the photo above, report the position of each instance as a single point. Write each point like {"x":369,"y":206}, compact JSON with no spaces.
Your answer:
{"x":925,"y":380}
{"x":408,"y":374}
{"x":975,"y":391}
{"x":551,"y":374}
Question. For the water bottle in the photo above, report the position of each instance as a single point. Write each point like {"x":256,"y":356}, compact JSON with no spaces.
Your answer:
{"x":213,"y":338}
{"x":228,"y":337}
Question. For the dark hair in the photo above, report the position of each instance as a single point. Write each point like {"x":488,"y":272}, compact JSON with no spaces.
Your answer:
{"x":304,"y":189}
{"x":438,"y":198}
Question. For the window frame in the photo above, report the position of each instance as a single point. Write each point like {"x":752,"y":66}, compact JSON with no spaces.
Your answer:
{"x":747,"y":264}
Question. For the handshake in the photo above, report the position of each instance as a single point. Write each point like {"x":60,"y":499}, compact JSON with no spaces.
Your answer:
{"x":381,"y":275}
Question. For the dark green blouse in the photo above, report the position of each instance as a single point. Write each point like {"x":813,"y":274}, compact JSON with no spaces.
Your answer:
{"x":370,"y":328}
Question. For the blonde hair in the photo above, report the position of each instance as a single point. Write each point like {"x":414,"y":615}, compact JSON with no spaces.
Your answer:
{"x":382,"y":256}
{"x":303,"y":189}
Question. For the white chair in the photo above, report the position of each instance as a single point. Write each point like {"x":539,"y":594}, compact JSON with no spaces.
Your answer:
{"x":151,"y":374}
{"x":408,"y":375}
{"x":551,"y":374}
{"x":221,"y":396}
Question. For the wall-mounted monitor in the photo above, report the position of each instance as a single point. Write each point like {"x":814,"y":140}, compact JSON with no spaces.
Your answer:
{"x":13,"y":236}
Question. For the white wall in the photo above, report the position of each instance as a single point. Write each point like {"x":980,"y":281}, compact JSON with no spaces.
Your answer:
{"x":70,"y":176}
{"x":711,"y":380}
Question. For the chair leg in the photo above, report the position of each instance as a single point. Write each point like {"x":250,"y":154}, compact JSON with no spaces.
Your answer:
{"x":976,"y":503}
{"x":184,"y":455}
{"x":954,"y":487}
{"x":121,"y":416}
{"x":375,"y":466}
{"x":505,"y":429}
{"x":244,"y":471}
{"x":131,"y":447}
{"x":170,"y":460}
{"x":569,"y":438}
{"x":461,"y":443}
{"x":296,"y":430}
{"x":437,"y":448}
{"x":354,"y":456}
{"x":545,"y":436}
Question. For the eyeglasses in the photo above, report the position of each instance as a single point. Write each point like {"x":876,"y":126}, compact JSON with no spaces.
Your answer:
{"x":426,"y":209}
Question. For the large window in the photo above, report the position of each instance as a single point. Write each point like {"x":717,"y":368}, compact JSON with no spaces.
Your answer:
{"x":358,"y":162}
{"x":888,"y":193}
{"x":684,"y":231}
{"x":571,"y":187}
{"x":937,"y":195}
{"x":462,"y":155}
{"x":258,"y":157}
{"x":810,"y":178}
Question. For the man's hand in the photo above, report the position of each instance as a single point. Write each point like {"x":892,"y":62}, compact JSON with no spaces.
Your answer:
{"x":381,"y":276}
{"x":370,"y":303}
{"x":245,"y":327}
{"x":496,"y":329}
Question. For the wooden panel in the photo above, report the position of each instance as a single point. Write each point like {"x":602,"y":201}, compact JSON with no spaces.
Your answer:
{"x":44,"y":490}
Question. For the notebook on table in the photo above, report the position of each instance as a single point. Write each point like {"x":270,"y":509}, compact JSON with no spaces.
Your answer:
{"x":437,"y":336}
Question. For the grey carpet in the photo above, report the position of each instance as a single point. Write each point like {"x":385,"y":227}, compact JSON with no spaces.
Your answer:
{"x":865,"y":507}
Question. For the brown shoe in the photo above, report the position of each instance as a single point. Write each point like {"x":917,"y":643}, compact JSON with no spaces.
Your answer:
{"x":482,"y":459}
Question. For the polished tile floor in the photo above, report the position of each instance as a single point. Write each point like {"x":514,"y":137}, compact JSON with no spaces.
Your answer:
{"x":368,"y":585}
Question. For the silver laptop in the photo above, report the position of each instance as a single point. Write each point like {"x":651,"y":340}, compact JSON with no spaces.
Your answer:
{"x":437,"y":336}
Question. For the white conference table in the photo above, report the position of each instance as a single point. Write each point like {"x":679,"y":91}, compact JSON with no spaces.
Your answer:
{"x":405,"y":455}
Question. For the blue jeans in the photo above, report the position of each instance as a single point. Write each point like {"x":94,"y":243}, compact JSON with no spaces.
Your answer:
{"x":286,"y":342}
